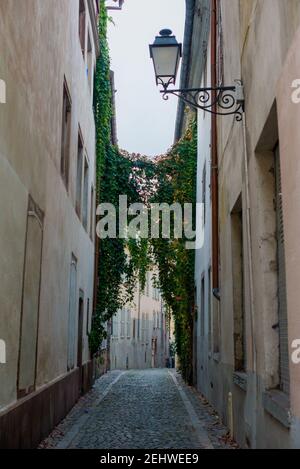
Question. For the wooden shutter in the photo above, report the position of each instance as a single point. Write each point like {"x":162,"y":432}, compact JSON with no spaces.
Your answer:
{"x":282,"y":302}
{"x":82,"y":23}
{"x":204,"y":194}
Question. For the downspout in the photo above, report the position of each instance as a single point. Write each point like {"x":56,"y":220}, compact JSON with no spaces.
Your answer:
{"x":214,"y":157}
{"x":251,"y":281}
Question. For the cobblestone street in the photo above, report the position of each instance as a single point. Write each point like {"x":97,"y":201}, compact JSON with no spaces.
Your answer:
{"x":150,"y":409}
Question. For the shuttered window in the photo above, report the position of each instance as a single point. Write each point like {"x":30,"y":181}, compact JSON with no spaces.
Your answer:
{"x":79,"y":174}
{"x":143,"y":328}
{"x":204,"y":194}
{"x":123,"y":323}
{"x":115,"y":326}
{"x":239,"y":323}
{"x":128,"y":324}
{"x":282,"y":302}
{"x":66,"y":135}
{"x":82,"y":24}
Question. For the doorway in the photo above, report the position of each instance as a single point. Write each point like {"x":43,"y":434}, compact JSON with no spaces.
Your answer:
{"x":80,"y":330}
{"x":154,"y":351}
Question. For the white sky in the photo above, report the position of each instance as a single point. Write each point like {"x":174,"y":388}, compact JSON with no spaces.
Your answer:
{"x":145,"y":122}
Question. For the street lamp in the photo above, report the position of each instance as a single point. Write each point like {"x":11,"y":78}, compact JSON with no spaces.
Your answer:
{"x":166,"y":53}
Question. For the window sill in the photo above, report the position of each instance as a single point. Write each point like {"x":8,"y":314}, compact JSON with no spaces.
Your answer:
{"x":277,"y":404}
{"x":240,"y":379}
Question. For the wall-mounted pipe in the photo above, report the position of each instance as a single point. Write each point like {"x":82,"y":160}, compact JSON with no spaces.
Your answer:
{"x":214,"y":156}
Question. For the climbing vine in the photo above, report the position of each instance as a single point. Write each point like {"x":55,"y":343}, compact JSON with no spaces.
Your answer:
{"x":176,"y":174}
{"x":170,"y":178}
{"x":117,"y":173}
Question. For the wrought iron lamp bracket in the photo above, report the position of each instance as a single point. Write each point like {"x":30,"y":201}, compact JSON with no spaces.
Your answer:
{"x":221,"y":101}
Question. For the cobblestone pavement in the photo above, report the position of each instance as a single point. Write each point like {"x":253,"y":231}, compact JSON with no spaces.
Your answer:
{"x":151,"y":409}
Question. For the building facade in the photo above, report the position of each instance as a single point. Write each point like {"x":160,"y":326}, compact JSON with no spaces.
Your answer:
{"x":47,"y":185}
{"x":140,"y":332}
{"x":248,"y":309}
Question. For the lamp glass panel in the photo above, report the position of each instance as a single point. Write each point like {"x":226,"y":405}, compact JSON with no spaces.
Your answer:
{"x":165,"y":61}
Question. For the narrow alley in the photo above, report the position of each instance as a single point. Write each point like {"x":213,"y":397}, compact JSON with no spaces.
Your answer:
{"x":149,"y":238}
{"x":139,"y":409}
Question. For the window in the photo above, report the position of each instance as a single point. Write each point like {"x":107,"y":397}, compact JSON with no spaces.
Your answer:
{"x":148,"y":284}
{"x":85,"y":195}
{"x":284,"y":374}
{"x":90,"y":66}
{"x":270,"y":232}
{"x":155,"y":293}
{"x":87,"y":316}
{"x":82,"y":24}
{"x":143,"y":328}
{"x":202,"y":311}
{"x":204,"y":194}
{"x":123,"y":312}
{"x":128,"y":324}
{"x":238,"y":287}
{"x":92,"y":218}
{"x":209,"y":299}
{"x":66,"y":135}
{"x":80,"y":329}
{"x":147,"y":331}
{"x":134,"y":329}
{"x":79,"y":175}
{"x":115,"y":326}
{"x":72,"y":313}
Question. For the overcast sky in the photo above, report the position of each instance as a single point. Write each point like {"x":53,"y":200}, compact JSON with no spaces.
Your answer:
{"x":145,"y":122}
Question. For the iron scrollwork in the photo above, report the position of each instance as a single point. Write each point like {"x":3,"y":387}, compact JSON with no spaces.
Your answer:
{"x":222,"y":100}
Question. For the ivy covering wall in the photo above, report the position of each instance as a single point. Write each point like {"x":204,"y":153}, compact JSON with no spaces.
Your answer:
{"x":117,"y":174}
{"x":176,"y":173}
{"x":167,"y":179}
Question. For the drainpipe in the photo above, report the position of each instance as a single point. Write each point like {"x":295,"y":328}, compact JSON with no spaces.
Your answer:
{"x":251,"y":281}
{"x":214,"y":158}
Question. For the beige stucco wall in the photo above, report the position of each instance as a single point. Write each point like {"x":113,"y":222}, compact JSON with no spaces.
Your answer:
{"x":258,"y":36}
{"x":289,"y":121}
{"x":39,"y":46}
{"x":132,"y":351}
